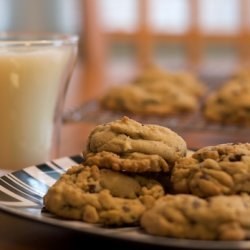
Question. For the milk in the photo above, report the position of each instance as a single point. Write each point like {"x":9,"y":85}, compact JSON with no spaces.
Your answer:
{"x":30,"y":82}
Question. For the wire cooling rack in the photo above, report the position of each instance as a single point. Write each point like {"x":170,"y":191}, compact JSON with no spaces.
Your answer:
{"x":92,"y":112}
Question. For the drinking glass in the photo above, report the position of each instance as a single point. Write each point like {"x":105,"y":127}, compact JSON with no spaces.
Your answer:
{"x":34,"y":74}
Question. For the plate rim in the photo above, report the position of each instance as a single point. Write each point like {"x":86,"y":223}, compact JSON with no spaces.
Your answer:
{"x":95,"y":230}
{"x":143,"y":237}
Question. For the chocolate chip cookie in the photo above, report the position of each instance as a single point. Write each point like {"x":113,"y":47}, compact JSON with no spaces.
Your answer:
{"x":128,"y":136}
{"x":101,"y":196}
{"x":214,"y":170}
{"x":184,"y":82}
{"x":156,"y":99}
{"x":187,"y":216}
{"x":129,"y":162}
{"x":156,"y":92}
{"x":230,"y":104}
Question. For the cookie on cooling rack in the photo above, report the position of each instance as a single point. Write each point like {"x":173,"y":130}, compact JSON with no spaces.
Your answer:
{"x":184,"y":80}
{"x":101,"y":196}
{"x":157,"y":81}
{"x":155,"y":99}
{"x":190,"y":217}
{"x":126,"y":136}
{"x":214,"y":170}
{"x":156,"y":92}
{"x":230,"y":104}
{"x":152,"y":73}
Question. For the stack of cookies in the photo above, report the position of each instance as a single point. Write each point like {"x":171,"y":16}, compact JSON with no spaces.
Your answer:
{"x":116,"y":182}
{"x":205,"y":195}
{"x":156,"y":92}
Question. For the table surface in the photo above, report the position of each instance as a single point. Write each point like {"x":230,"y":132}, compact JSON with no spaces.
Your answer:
{"x":17,"y":233}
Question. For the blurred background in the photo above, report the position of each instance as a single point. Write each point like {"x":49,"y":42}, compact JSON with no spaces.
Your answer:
{"x":117,"y":38}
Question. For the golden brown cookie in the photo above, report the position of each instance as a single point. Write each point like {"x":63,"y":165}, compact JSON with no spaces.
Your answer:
{"x":214,"y":170}
{"x":184,"y":82}
{"x":230,"y":104}
{"x":156,"y":92}
{"x":128,"y":136}
{"x":190,"y":217}
{"x":129,"y":162}
{"x":152,"y":73}
{"x":189,"y":83}
{"x":101,"y":196}
{"x":151,"y":99}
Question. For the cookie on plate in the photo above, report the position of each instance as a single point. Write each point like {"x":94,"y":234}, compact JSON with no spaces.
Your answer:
{"x":190,"y":217}
{"x":126,"y":136}
{"x":101,"y":196}
{"x":129,"y":162}
{"x":214,"y":170}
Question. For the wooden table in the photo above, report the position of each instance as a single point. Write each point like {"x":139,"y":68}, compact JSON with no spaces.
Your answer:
{"x":21,"y":234}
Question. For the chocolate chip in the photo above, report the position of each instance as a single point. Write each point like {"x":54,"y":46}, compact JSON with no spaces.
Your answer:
{"x":247,"y":109}
{"x":120,"y":103}
{"x":236,"y":157}
{"x":220,"y":100}
{"x":196,"y":204}
{"x":192,"y":221}
{"x":78,"y":171}
{"x":170,"y":220}
{"x":92,"y":188}
{"x":125,"y":209}
{"x":149,"y":102}
{"x":245,"y":204}
{"x":204,"y":176}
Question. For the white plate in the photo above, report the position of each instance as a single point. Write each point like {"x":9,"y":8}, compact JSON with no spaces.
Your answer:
{"x":21,"y":193}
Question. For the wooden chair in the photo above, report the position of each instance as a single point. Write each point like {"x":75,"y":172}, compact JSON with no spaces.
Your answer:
{"x":96,"y":40}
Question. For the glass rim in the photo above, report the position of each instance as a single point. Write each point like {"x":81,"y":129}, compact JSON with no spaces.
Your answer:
{"x":36,"y":39}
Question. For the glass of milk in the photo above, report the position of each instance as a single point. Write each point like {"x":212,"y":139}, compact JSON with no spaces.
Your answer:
{"x":34,"y":75}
